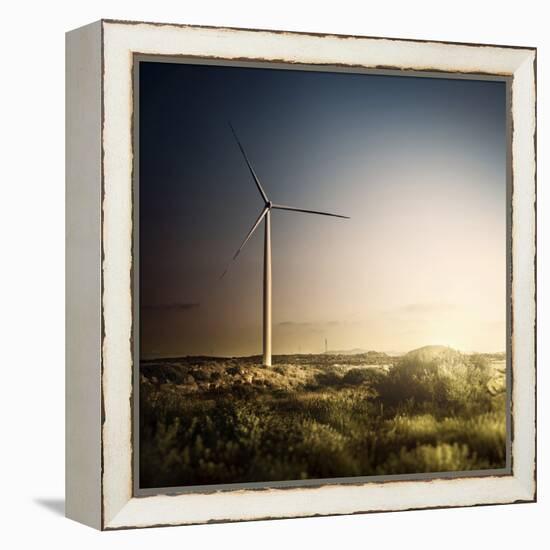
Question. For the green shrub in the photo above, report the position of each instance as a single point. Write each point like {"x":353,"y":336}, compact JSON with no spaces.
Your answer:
{"x":330,"y":377}
{"x":443,"y":457}
{"x":426,"y":417}
{"x":450,"y":385}
{"x":358,"y":376}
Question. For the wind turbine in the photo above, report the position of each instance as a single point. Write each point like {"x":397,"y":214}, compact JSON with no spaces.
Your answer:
{"x":265,"y":215}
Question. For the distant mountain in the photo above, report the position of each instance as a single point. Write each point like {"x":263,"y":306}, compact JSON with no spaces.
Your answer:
{"x":354,"y":351}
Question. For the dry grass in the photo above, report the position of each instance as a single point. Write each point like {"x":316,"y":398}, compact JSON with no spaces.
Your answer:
{"x":213,"y":421}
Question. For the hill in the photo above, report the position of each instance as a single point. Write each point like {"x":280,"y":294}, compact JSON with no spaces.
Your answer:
{"x":354,"y":351}
{"x":430,"y":353}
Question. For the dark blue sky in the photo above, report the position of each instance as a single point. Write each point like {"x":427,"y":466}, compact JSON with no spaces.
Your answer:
{"x":418,"y":163}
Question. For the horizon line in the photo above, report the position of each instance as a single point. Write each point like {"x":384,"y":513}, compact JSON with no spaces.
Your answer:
{"x":348,"y":353}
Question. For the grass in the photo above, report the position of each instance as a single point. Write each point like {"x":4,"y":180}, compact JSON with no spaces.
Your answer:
{"x":259,"y":424}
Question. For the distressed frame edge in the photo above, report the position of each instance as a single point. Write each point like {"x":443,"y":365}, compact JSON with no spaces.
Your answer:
{"x":524,"y":256}
{"x":138,"y":58}
{"x":83,"y":323}
{"x":522,"y":491}
{"x":115,"y":21}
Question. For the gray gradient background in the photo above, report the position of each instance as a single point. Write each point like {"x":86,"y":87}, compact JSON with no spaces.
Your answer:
{"x":418,"y":163}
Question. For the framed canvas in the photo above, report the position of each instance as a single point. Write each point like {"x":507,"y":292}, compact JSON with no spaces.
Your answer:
{"x":300,"y":274}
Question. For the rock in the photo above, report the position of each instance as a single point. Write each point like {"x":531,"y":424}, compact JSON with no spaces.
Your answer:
{"x":233,"y":370}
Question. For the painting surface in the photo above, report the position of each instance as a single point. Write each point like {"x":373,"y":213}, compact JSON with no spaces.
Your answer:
{"x":382,"y":350}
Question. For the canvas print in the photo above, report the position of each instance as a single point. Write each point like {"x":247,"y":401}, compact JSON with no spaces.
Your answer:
{"x":321,"y":265}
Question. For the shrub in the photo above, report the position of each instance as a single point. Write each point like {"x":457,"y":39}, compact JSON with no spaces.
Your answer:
{"x":357,"y":376}
{"x":449,"y":385}
{"x":432,"y":458}
{"x":429,"y":415}
{"x":331,"y":377}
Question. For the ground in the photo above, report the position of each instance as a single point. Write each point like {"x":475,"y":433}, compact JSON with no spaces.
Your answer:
{"x":206,"y":420}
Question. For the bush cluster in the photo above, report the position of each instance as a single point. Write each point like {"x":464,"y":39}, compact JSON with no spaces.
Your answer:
{"x":423,"y":415}
{"x":449,"y":385}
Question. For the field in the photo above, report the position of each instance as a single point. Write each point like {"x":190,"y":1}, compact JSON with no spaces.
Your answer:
{"x":206,"y":420}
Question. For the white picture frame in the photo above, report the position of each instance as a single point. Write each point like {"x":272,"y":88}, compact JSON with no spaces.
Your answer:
{"x":99,"y":365}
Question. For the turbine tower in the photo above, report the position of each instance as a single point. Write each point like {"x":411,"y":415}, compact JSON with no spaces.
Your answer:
{"x":265,"y":216}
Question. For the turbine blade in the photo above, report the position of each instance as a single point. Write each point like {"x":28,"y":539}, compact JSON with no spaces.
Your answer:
{"x":258,"y":184}
{"x":254,"y":227}
{"x":293,"y":209}
{"x":258,"y":221}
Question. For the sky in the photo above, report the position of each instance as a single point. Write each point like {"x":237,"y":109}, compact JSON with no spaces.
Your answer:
{"x":418,"y":164}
